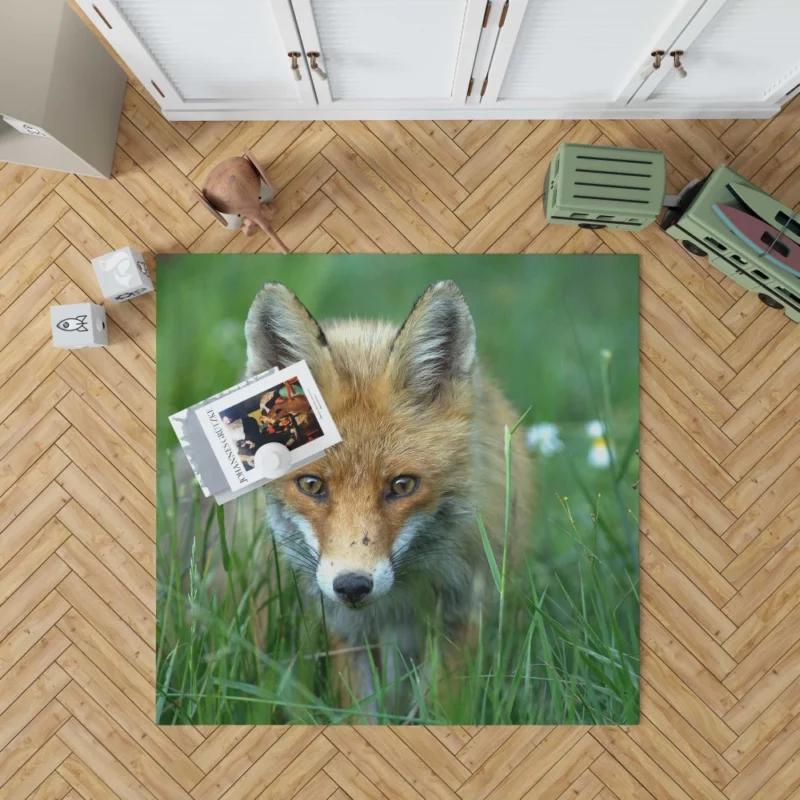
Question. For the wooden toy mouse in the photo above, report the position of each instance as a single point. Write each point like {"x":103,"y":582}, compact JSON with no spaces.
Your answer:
{"x":237,"y":192}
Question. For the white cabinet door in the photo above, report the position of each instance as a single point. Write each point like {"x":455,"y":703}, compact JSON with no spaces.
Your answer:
{"x":562,"y":53}
{"x":208,"y":54}
{"x":384,"y":54}
{"x":734,"y":51}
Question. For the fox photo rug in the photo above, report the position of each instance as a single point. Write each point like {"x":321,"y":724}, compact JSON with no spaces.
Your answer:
{"x":467,"y":554}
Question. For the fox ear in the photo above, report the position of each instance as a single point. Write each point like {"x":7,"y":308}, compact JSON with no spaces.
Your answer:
{"x":280,"y":331}
{"x":435,"y":347}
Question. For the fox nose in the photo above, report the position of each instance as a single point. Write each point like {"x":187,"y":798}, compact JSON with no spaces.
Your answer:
{"x":352,"y":587}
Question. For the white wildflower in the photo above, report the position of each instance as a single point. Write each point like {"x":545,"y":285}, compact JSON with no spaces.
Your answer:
{"x":599,"y":453}
{"x":600,"y":450}
{"x":544,"y":438}
{"x":595,"y":429}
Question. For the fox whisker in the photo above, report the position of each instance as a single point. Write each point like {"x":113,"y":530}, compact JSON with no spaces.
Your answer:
{"x":299,"y":554}
{"x":299,"y":551}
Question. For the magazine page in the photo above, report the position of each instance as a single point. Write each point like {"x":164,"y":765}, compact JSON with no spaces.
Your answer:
{"x":284,"y":407}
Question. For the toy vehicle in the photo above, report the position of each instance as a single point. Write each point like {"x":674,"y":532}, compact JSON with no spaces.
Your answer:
{"x":605,"y":187}
{"x":611,"y":187}
{"x":702,"y":231}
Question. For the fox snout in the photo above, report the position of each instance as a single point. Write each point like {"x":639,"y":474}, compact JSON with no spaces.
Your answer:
{"x":352,"y":587}
{"x":354,"y":584}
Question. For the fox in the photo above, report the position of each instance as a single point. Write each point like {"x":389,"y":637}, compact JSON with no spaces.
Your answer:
{"x":384,"y":527}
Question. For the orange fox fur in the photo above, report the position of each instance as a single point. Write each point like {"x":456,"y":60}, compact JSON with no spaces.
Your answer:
{"x":408,"y":402}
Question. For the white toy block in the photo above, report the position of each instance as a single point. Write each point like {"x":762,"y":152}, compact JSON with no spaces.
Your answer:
{"x":122,"y":275}
{"x":79,"y":325}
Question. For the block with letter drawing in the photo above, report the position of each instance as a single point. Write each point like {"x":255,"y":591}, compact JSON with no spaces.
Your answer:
{"x":78,"y":325}
{"x":122,"y":274}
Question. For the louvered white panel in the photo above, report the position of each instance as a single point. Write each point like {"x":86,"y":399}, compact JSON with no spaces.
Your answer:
{"x":748,"y":49}
{"x":214,"y":49}
{"x":582,"y":49}
{"x":389,"y":49}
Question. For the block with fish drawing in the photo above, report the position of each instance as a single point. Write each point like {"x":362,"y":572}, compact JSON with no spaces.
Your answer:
{"x":78,"y":325}
{"x":122,"y":275}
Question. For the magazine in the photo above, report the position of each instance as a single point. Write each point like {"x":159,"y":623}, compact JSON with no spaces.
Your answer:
{"x":222,"y":435}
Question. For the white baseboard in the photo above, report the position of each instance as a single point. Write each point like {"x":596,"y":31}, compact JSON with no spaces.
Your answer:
{"x":650,"y":111}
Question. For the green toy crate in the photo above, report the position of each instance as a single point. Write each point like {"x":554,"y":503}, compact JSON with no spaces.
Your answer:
{"x":605,"y":187}
{"x":696,"y":225}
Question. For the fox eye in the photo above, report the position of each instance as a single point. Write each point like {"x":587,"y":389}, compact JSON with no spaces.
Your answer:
{"x":311,"y":485}
{"x":402,"y":486}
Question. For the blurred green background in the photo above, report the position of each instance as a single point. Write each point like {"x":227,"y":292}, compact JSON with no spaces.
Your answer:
{"x":541,"y":320}
{"x":543,"y":324}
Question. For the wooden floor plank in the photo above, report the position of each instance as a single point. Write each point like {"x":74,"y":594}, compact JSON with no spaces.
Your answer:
{"x":766,"y":696}
{"x":687,"y":594}
{"x":684,"y":520}
{"x":31,"y":666}
{"x":684,"y":556}
{"x":12,"y":176}
{"x":31,"y":738}
{"x":501,"y":180}
{"x":416,"y":194}
{"x":760,"y":587}
{"x":209,"y":135}
{"x":152,"y":197}
{"x":129,"y":717}
{"x":236,"y":762}
{"x":119,"y":743}
{"x":475,"y":134}
{"x":684,"y":737}
{"x":688,"y":416}
{"x":31,"y":593}
{"x":303,"y":149}
{"x":437,"y":143}
{"x":355,"y":206}
{"x":31,"y":703}
{"x":37,"y":769}
{"x":162,"y":171}
{"x":159,"y":131}
{"x":79,"y":741}
{"x":384,"y":198}
{"x":30,"y":230}
{"x":686,"y":703}
{"x":419,"y":161}
{"x":496,"y":217}
{"x":31,"y":266}
{"x":39,"y":294}
{"x":30,"y":630}
{"x":81,"y":597}
{"x":26,"y":198}
{"x":85,"y":783}
{"x":684,"y":375}
{"x":493,"y":152}
{"x":113,"y":587}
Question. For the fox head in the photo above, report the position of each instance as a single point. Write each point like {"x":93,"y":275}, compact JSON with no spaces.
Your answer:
{"x":379,"y":505}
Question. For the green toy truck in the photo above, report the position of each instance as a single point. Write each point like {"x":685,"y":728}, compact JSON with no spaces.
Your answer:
{"x":700,"y":230}
{"x":612,"y":187}
{"x":605,"y":187}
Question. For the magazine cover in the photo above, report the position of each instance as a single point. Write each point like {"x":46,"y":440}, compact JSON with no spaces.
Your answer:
{"x":284,"y":407}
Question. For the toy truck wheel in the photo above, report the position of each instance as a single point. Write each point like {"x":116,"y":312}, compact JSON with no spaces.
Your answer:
{"x":592,"y":226}
{"x":769,"y":301}
{"x":693,"y":248}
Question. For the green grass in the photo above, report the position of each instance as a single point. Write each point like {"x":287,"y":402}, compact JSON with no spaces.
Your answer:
{"x":239,"y":644}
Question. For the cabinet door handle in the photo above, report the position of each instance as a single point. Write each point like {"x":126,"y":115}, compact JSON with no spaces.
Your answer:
{"x":657,"y":55}
{"x":676,"y":60}
{"x":294,"y":55}
{"x":312,"y":58}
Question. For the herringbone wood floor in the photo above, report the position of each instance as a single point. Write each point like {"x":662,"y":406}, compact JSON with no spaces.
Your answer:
{"x":720,"y":512}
